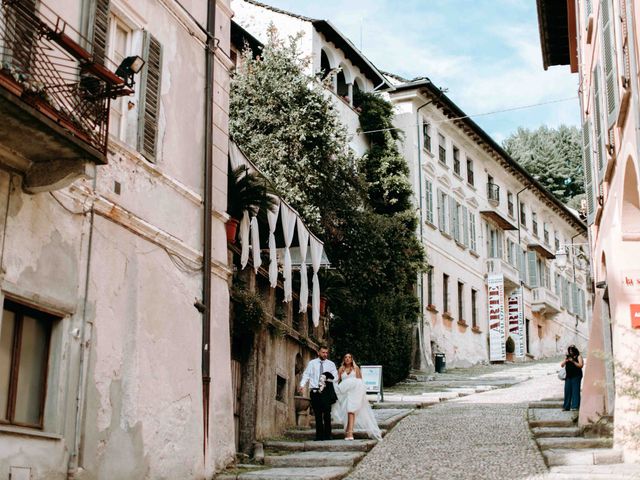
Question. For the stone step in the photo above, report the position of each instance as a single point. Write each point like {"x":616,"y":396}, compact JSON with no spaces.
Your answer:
{"x":306,"y":473}
{"x":617,"y":471}
{"x":574,"y":443}
{"x":315,"y":459}
{"x":546,"y":404}
{"x":599,"y":456}
{"x":551,"y":423}
{"x":337,"y":433}
{"x":543,"y":432}
{"x":325,"y":446}
{"x":386,"y":418}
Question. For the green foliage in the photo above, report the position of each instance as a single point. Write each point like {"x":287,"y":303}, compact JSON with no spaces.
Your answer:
{"x":282,"y":119}
{"x":510,"y":346}
{"x":553,"y":156}
{"x":247,"y":191}
{"x":249,"y":311}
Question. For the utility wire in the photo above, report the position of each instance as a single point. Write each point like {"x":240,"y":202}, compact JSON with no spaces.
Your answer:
{"x":511,"y":109}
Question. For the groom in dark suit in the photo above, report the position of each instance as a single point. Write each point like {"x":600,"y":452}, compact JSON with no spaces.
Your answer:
{"x":320,"y":400}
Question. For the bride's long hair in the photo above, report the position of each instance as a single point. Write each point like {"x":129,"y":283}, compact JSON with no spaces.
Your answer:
{"x":354,"y":365}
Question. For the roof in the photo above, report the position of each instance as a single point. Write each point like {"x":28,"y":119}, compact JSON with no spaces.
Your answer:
{"x":461,"y":119}
{"x":333,"y":35}
{"x":240,"y":37}
{"x":556,"y":22}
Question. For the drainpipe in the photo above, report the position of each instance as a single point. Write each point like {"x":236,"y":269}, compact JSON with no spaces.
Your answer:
{"x":208,"y":208}
{"x":421,"y":276}
{"x":85,"y":344}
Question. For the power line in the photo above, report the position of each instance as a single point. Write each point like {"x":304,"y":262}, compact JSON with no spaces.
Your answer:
{"x":510,"y":109}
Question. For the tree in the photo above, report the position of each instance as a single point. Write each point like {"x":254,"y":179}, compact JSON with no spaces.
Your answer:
{"x":552,"y":156}
{"x":283,"y":121}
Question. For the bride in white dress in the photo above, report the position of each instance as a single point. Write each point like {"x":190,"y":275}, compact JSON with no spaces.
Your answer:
{"x":352,"y":408}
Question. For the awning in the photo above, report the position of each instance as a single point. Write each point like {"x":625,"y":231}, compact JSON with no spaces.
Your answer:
{"x":542,"y":250}
{"x":499,"y":219}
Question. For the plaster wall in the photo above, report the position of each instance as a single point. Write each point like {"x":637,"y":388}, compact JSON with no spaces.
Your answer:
{"x":141,"y":411}
{"x":615,"y":243}
{"x":462,"y":345}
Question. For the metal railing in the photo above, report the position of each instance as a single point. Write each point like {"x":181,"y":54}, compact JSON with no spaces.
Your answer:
{"x":493,"y":193}
{"x":43,"y":61}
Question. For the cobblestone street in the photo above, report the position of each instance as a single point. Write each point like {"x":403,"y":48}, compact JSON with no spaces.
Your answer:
{"x":480,"y":436}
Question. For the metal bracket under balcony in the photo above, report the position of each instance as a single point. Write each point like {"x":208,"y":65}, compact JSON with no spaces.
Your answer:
{"x":54,"y":98}
{"x":544,"y":301}
{"x":496,"y":217}
{"x":543,"y":251}
{"x":509,"y":273}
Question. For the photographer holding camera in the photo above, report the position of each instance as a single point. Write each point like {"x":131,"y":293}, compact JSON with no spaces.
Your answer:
{"x":573,"y":366}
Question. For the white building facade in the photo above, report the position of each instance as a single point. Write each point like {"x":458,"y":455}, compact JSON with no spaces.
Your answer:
{"x":107,"y":369}
{"x":491,"y":232}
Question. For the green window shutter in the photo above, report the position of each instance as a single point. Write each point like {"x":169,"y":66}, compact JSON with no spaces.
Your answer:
{"x":598,"y":118}
{"x":149,"y":107}
{"x":441,"y":199}
{"x":533,"y":269}
{"x":609,"y":59}
{"x":588,"y":170}
{"x":98,"y":28}
{"x":472,"y":232}
{"x":465,"y":227}
{"x":453,"y":227}
{"x":429,"y":200}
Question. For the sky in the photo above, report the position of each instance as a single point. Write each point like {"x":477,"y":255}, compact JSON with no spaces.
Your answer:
{"x":486,"y":53}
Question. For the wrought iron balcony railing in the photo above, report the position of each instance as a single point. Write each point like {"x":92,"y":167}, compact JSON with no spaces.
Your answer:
{"x":493,"y":193}
{"x":44,"y":62}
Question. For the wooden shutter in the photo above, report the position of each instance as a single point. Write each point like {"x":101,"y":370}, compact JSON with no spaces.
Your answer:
{"x":609,"y":60}
{"x":98,"y":28}
{"x":429,"y":201}
{"x":465,"y":227}
{"x":598,"y":119}
{"x":441,"y":198}
{"x":149,"y":106}
{"x":533,"y":269}
{"x":624,"y":41}
{"x":453,"y":227}
{"x":588,"y":170}
{"x":472,"y":232}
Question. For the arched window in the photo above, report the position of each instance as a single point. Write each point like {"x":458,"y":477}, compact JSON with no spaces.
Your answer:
{"x":358,"y":87}
{"x":325,"y":66}
{"x":630,"y":217}
{"x":343,"y":88}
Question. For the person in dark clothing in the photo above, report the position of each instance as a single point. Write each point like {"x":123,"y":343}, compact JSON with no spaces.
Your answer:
{"x":573,"y":364}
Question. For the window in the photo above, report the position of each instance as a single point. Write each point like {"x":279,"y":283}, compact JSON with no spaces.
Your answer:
{"x":557,"y":284}
{"x":281,"y":389}
{"x":494,"y":235}
{"x":118,"y":48}
{"x":442,"y":149}
{"x":474,"y":308}
{"x":545,"y":232}
{"x":445,"y":293}
{"x":460,"y":301}
{"x":430,"y":285}
{"x":426,"y":134}
{"x":429,"y":200}
{"x":470,"y":171}
{"x":557,"y":242}
{"x":543,"y":273}
{"x":472,"y":232}
{"x":24,"y":354}
{"x":443,"y":211}
{"x":510,"y":204}
{"x":534,"y":223}
{"x":523,"y":216}
{"x":456,"y":160}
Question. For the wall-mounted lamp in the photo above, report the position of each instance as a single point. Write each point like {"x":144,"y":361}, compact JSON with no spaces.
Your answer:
{"x":128,"y":68}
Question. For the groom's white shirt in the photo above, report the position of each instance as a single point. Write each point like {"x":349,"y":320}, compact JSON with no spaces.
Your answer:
{"x":312,"y":372}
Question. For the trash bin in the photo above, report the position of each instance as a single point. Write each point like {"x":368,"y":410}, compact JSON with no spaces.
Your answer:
{"x":441,"y":363}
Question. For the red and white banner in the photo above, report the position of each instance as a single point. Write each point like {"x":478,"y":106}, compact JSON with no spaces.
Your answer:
{"x":495,"y":302}
{"x":516,"y":321}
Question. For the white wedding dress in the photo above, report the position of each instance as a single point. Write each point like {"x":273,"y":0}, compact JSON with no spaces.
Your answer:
{"x":352,"y":398}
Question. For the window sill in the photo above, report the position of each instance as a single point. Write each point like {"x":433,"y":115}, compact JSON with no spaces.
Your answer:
{"x":461,"y":245}
{"x":462,"y":323}
{"x":428,"y":223}
{"x":447,"y":316}
{"x":474,"y":253}
{"x":446,"y":235}
{"x":443,"y":165}
{"x":432,"y":308}
{"x":458,"y":176}
{"x":471,"y":186}
{"x":29,"y":432}
{"x":476,"y":330}
{"x":427,"y":152}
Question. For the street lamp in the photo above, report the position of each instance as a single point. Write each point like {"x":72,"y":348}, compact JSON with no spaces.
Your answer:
{"x":128,"y":68}
{"x":561,"y":258}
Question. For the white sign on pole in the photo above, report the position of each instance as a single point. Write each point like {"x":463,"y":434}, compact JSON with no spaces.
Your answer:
{"x":495,"y":302}
{"x":516,"y":321}
{"x":372,"y":378}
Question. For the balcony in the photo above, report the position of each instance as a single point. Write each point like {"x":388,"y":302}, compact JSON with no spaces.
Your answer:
{"x":54,"y":99}
{"x":509,"y":272}
{"x":493,"y":194}
{"x":544,"y":301}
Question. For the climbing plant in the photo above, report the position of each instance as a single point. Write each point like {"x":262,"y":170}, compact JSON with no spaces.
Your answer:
{"x":285,"y":121}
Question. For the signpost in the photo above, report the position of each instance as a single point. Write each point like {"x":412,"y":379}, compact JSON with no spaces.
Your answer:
{"x":372,"y":378}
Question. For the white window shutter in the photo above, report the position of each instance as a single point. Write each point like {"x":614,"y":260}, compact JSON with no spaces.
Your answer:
{"x":533,"y":269}
{"x":588,"y":170}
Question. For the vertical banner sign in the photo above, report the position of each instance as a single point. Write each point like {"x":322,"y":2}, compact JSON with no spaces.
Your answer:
{"x":495,"y":297}
{"x":516,"y":321}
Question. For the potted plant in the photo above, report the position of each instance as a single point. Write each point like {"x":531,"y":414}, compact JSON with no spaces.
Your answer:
{"x":246,"y":191}
{"x":510,"y":348}
{"x":249,"y":314}
{"x":333,"y":288}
